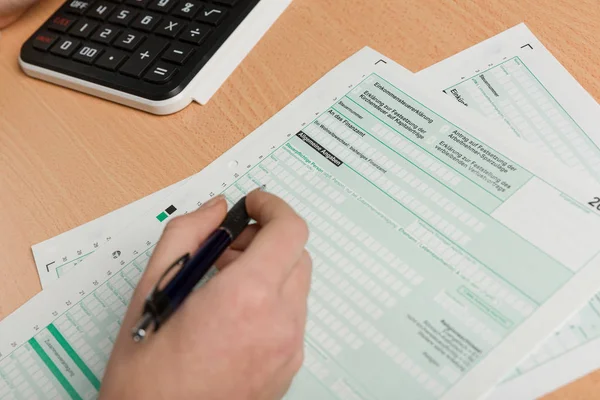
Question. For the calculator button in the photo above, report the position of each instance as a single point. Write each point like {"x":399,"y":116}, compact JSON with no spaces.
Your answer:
{"x":128,"y":40}
{"x":145,"y":22}
{"x":65,"y":47}
{"x":83,"y":28}
{"x":122,"y":16}
{"x":187,"y":9}
{"x":178,"y":53}
{"x":43,"y":41}
{"x":211,"y":15}
{"x":105,"y":34}
{"x":195,"y":33}
{"x":100,"y":10}
{"x":163,"y":6}
{"x":111,"y":59}
{"x":160,"y":73}
{"x":170,"y":27}
{"x":87,"y":53}
{"x":77,"y":6}
{"x":143,"y":57}
{"x":60,"y":23}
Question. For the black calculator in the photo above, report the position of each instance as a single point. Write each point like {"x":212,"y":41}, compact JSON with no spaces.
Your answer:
{"x":155,"y":55}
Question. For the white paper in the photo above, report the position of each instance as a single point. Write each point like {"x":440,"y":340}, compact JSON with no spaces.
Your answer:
{"x":548,"y":193}
{"x":572,"y":134}
{"x":58,"y":255}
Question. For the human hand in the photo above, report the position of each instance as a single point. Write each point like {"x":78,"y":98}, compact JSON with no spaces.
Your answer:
{"x":240,"y":336}
{"x":10,"y":10}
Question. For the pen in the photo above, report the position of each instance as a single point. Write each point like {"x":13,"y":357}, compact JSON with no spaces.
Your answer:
{"x":162,"y":302}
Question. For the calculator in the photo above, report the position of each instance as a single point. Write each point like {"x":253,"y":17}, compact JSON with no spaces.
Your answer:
{"x":154,"y":55}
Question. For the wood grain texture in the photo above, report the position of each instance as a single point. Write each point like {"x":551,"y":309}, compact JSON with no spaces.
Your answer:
{"x":66,"y":158}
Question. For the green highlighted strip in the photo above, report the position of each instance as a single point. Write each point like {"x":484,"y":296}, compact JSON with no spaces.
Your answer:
{"x":73,"y":354}
{"x":162,"y":216}
{"x":54,"y":369}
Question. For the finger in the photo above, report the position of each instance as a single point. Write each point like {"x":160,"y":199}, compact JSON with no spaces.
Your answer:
{"x":296,"y":288}
{"x":279,"y":242}
{"x":229,"y":256}
{"x":237,"y":247}
{"x":10,"y":10}
{"x":245,"y":238}
{"x":183,"y":234}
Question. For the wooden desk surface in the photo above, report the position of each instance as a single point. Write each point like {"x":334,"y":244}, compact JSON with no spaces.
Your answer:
{"x":66,"y":158}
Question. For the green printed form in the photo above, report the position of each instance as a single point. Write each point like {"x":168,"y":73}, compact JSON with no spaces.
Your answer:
{"x":412,"y":273}
{"x":415,"y":279}
{"x":511,"y":94}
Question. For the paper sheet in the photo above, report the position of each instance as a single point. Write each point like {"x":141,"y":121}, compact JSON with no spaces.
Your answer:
{"x":58,"y":255}
{"x":443,"y":270}
{"x":515,"y":81}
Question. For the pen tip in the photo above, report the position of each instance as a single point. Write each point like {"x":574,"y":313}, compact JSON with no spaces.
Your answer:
{"x":139,"y":335}
{"x":141,"y":329}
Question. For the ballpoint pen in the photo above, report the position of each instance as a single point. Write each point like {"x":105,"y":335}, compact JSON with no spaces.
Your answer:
{"x":164,"y":299}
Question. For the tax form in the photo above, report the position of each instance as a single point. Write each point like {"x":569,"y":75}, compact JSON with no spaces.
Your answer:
{"x":442,"y":252}
{"x":514,"y":81}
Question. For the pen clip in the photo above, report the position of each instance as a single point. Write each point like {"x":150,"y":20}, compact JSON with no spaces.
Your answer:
{"x":153,"y":298}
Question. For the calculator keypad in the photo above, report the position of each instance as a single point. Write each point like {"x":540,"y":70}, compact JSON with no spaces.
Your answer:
{"x":88,"y":53}
{"x":162,"y":6}
{"x":123,"y":16}
{"x":65,"y":47}
{"x":78,"y":6}
{"x":83,"y":28}
{"x":212,"y":15}
{"x":106,"y":34}
{"x":161,"y":72}
{"x":143,"y":57}
{"x":129,"y":40}
{"x":61,"y":23}
{"x":178,"y":53}
{"x":111,"y":59}
{"x":43,"y":40}
{"x":100,"y":10}
{"x":187,"y":9}
{"x":149,"y":48}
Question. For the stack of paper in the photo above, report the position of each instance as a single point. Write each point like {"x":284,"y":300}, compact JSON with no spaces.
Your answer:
{"x":448,"y":237}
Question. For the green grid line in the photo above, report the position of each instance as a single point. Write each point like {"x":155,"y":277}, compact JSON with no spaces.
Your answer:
{"x":54,"y":369}
{"x":74,"y":356}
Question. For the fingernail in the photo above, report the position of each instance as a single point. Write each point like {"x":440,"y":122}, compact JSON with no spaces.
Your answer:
{"x":212,"y":202}
{"x":261,"y":188}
